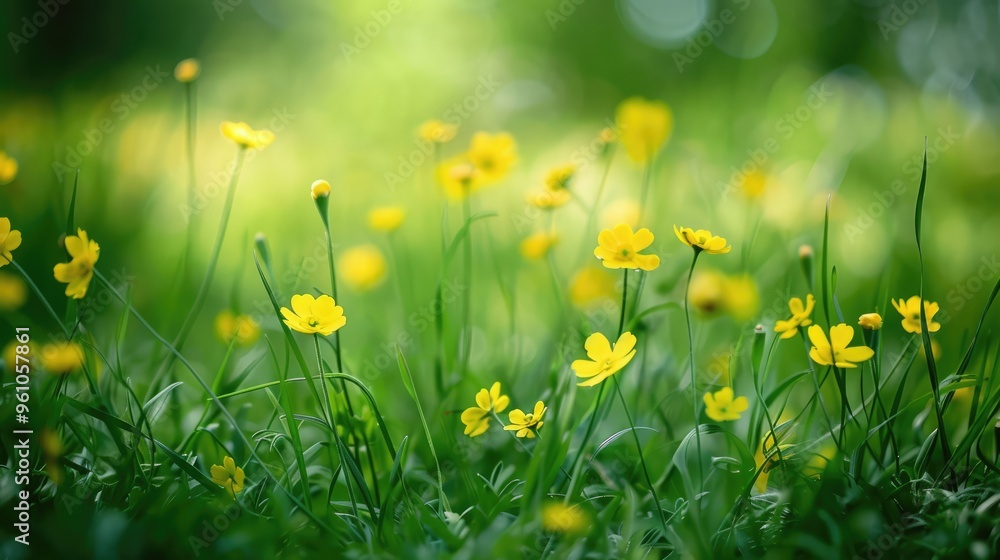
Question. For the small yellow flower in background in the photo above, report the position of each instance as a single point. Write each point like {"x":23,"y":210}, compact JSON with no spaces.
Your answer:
{"x":187,"y":70}
{"x":310,"y":315}
{"x":702,"y":240}
{"x":459,"y":178}
{"x":8,"y":168}
{"x":62,"y":357}
{"x":80,"y":270}
{"x":477,"y":418}
{"x":604,"y":360}
{"x":935,"y":350}
{"x":871,"y":321}
{"x":643,"y":127}
{"x":548,"y":200}
{"x":910,"y":310}
{"x":740,"y":297}
{"x":526,"y":425}
{"x":386,"y":218}
{"x":820,"y":459}
{"x":835,"y":351}
{"x":721,"y":406}
{"x":246,"y":137}
{"x":243,"y":327}
{"x":537,"y":245}
{"x":559,"y":178}
{"x":51,"y":449}
{"x":800,"y":317}
{"x":492,"y":155}
{"x":558,"y":517}
{"x":706,"y":292}
{"x":436,"y":131}
{"x":753,"y":184}
{"x":229,"y":476}
{"x":10,"y":355}
{"x":10,"y":239}
{"x":362,"y":267}
{"x":619,"y":248}
{"x":319,"y":189}
{"x":13,"y":292}
{"x":622,"y":211}
{"x":591,"y":285}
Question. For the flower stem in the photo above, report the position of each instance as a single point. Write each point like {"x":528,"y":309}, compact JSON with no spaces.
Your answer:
{"x":694,"y":384}
{"x":642,"y":461}
{"x":333,"y":289}
{"x":466,"y":336}
{"x":331,"y":421}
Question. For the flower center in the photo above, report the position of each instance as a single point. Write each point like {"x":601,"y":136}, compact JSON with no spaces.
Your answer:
{"x":313,"y":321}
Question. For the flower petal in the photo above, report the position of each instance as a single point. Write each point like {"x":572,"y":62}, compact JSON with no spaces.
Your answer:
{"x":598,"y":347}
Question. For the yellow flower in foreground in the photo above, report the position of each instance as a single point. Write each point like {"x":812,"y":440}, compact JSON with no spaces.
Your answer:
{"x":558,"y":517}
{"x":477,"y":418}
{"x":362,"y":267}
{"x":910,"y":310}
{"x":800,"y":317}
{"x":492,"y":154}
{"x":702,"y":240}
{"x":591,"y":285}
{"x":871,"y":321}
{"x":537,"y":245}
{"x":721,"y":406}
{"x":10,"y":239}
{"x":62,"y":357}
{"x":229,"y":476}
{"x":8,"y":168}
{"x":386,"y":218}
{"x":13,"y":292}
{"x":835,"y":351}
{"x":80,"y":270}
{"x":187,"y":70}
{"x":243,"y":327}
{"x":246,"y":137}
{"x":319,"y":189}
{"x":619,"y":248}
{"x":559,"y":178}
{"x":310,"y":315}
{"x":547,"y":200}
{"x":526,"y":425}
{"x":604,"y":360}
{"x":643,"y":127}
{"x":458,"y":177}
{"x":436,"y":131}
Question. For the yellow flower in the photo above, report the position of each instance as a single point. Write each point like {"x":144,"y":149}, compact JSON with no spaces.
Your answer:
{"x":492,"y":154}
{"x":604,"y":360}
{"x":229,"y":476}
{"x":8,"y":168}
{"x":619,"y":248}
{"x":436,"y":131}
{"x":10,"y":239}
{"x":872,"y":321}
{"x":910,"y":310}
{"x":246,"y":137}
{"x":187,"y":70}
{"x":362,"y":267}
{"x":62,"y":357}
{"x":537,"y":245}
{"x":526,"y":425}
{"x":591,"y":285}
{"x":477,"y":418}
{"x":80,"y":270}
{"x":243,"y":327}
{"x":702,"y":240}
{"x":643,"y":127}
{"x":13,"y":292}
{"x":621,"y":211}
{"x":753,"y":184}
{"x":835,"y":351}
{"x":740,"y":298}
{"x":319,"y":189}
{"x":547,"y":200}
{"x":311,"y":315}
{"x":559,"y":178}
{"x":721,"y":406}
{"x":800,"y":317}
{"x":706,"y":293}
{"x":558,"y":517}
{"x":386,"y":218}
{"x":459,"y":177}
{"x":10,"y":355}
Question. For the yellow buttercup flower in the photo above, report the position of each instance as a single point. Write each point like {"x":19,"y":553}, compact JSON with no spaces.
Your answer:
{"x":10,"y":239}
{"x":753,"y":184}
{"x":243,"y":327}
{"x":835,"y":351}
{"x":246,"y":137}
{"x":229,"y":476}
{"x":604,"y":360}
{"x":702,"y":240}
{"x":310,"y":315}
{"x":910,"y":310}
{"x":386,"y":218}
{"x":526,"y":425}
{"x":591,"y":285}
{"x":558,"y":517}
{"x":362,"y":267}
{"x":62,"y":357}
{"x":800,"y":317}
{"x":80,"y":270}
{"x":13,"y":292}
{"x":537,"y":245}
{"x":492,"y":154}
{"x":872,"y":321}
{"x":477,"y":418}
{"x":706,"y":292}
{"x":619,"y":248}
{"x":740,"y":298}
{"x":319,"y":189}
{"x":548,"y":200}
{"x":187,"y":70}
{"x":437,"y":131}
{"x":8,"y":168}
{"x":643,"y":127}
{"x":459,"y":178}
{"x":721,"y":406}
{"x":559,"y":178}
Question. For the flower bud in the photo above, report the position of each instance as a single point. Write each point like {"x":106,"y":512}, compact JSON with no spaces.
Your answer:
{"x":320,"y":189}
{"x":187,"y":70}
{"x":870,"y":321}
